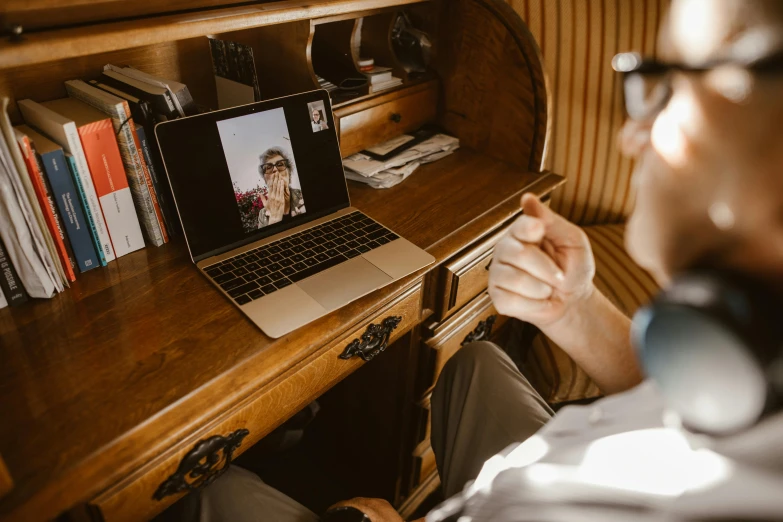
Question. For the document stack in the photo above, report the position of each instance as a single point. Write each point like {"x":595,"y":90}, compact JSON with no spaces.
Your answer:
{"x":364,"y":166}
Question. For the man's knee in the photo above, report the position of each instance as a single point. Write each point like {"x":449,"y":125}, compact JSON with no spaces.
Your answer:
{"x":479,"y":356}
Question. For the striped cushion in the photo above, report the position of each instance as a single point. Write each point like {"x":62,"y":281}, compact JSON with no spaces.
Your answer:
{"x":578,"y":39}
{"x":546,"y":365}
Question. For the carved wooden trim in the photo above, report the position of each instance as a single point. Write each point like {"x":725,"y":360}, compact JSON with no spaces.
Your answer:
{"x":373,"y":341}
{"x":481,"y":332}
{"x":201,"y":465}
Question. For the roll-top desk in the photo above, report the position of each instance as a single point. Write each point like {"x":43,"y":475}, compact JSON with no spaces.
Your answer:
{"x":112,"y":389}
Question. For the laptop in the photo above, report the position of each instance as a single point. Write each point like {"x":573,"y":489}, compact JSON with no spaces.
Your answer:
{"x":262,"y":198}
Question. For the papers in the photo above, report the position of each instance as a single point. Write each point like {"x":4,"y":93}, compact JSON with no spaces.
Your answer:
{"x":21,"y":229}
{"x":385,"y":174}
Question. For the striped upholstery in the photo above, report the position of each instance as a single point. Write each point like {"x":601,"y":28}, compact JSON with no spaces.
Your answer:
{"x":578,"y":39}
{"x":548,"y":368}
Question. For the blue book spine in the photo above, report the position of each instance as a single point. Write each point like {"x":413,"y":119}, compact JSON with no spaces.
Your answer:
{"x":92,"y":232}
{"x":67,"y":199}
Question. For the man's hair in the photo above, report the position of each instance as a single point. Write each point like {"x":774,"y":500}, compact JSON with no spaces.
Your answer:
{"x":275,"y":151}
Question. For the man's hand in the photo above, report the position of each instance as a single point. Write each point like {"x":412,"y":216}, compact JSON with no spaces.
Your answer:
{"x":542,"y":267}
{"x":276,"y":202}
{"x":376,"y":509}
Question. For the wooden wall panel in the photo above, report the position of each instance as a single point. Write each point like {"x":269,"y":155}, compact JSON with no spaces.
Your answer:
{"x":578,"y":39}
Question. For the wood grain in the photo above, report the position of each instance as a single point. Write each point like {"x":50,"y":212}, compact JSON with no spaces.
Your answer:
{"x":263,"y":411}
{"x":287,"y":69}
{"x":384,"y":121}
{"x":426,"y":487}
{"x":423,"y":463}
{"x":6,"y":483}
{"x":147,"y":341}
{"x":466,"y":276}
{"x":447,"y":338}
{"x":482,"y":45}
{"x":376,"y":42}
{"x":59,"y":44}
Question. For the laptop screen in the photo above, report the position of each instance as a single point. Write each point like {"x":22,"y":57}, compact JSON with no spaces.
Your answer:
{"x":241,"y":174}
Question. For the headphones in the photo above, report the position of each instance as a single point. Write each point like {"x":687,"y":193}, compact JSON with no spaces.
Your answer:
{"x":713,"y":342}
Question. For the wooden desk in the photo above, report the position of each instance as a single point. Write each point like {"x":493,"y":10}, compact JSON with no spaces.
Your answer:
{"x":145,"y":358}
{"x":106,"y":387}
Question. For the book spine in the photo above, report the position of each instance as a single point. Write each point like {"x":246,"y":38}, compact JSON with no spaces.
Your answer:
{"x":87,"y":187}
{"x":47,"y":207}
{"x":57,"y":216}
{"x":162,"y":103}
{"x":68,"y":201}
{"x":147,"y":180}
{"x":111,"y":185}
{"x":10,"y":283}
{"x":131,"y":159}
{"x":86,"y":205}
{"x":161,"y":188}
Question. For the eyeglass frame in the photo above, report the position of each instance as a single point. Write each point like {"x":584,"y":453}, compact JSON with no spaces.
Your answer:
{"x":646,"y":67}
{"x":274,"y":165}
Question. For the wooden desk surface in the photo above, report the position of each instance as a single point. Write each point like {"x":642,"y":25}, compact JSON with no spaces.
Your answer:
{"x":135,"y":356}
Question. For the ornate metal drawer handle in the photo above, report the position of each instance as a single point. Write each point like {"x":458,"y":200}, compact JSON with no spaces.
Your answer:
{"x":373,"y":341}
{"x":481,"y":332}
{"x":202,"y":465}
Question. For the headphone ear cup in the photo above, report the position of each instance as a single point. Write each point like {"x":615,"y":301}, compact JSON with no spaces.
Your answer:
{"x":704,"y":368}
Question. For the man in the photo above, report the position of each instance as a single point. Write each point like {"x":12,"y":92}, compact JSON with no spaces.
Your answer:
{"x":708,"y":141}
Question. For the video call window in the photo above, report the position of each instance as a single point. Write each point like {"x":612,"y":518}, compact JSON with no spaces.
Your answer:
{"x":317,"y":116}
{"x":262,"y":167}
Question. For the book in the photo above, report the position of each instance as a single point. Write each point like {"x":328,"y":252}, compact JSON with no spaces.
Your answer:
{"x":68,"y":199}
{"x":139,"y":180}
{"x":22,"y":227}
{"x":70,"y":161}
{"x":179,"y":92}
{"x":379,"y":75}
{"x":160,"y":99}
{"x":145,"y":121}
{"x":388,"y":84}
{"x":162,"y":187}
{"x":63,"y":131}
{"x":45,"y":199}
{"x":235,"y":73}
{"x":108,"y":175}
{"x":10,"y":284}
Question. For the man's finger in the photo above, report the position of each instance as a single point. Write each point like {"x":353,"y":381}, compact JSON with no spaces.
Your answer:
{"x":520,"y":282}
{"x":557,"y":228}
{"x":527,"y":229}
{"x":531,"y":259}
{"x":515,"y":305}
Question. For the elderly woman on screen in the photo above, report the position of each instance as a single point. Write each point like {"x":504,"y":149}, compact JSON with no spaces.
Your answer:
{"x":282,"y":199}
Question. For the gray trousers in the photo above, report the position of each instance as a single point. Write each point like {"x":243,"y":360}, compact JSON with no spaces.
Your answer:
{"x":480,"y":405}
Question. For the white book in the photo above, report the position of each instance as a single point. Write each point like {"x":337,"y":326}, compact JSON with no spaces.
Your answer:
{"x":3,"y":302}
{"x":377,"y":87}
{"x":63,"y":131}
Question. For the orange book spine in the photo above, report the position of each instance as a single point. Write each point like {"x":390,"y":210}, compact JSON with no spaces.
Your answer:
{"x":148,"y":180}
{"x":36,"y":176}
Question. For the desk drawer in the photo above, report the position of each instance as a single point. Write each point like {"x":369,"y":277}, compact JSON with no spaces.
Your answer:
{"x":475,"y":322}
{"x":467,"y":275}
{"x":380,"y":119}
{"x":423,"y":463}
{"x":165,"y":479}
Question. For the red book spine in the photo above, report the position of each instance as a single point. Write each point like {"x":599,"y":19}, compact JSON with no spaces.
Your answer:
{"x":148,"y":181}
{"x":39,"y":185}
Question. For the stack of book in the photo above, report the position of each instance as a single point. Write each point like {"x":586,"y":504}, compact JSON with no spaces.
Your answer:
{"x":80,"y":180}
{"x":381,"y":79}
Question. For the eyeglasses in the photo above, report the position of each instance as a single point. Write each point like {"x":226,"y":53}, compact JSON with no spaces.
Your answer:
{"x":647,"y":83}
{"x":280,"y":165}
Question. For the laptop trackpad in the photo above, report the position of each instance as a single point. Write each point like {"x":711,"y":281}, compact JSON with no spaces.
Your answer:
{"x":344,"y":283}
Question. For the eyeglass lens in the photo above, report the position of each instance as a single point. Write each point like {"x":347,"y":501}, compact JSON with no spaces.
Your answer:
{"x":280,"y":165}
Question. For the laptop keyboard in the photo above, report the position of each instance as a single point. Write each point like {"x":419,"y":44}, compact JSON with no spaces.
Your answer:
{"x":269,"y":268}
